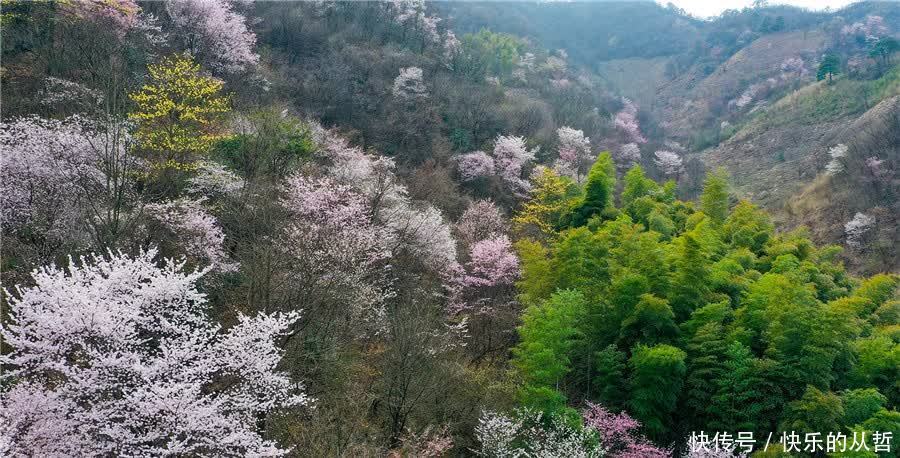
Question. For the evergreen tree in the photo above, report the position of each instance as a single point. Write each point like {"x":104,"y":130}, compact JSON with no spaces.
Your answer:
{"x":735,"y":406}
{"x":610,"y":381}
{"x":651,"y":322}
{"x":547,"y":335}
{"x":705,"y":367}
{"x":598,"y":191}
{"x":636,"y":184}
{"x":690,"y":281}
{"x":830,"y":66}
{"x":657,"y":375}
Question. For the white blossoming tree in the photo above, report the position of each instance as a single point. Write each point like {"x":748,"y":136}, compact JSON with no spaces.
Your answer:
{"x":213,"y":30}
{"x":857,"y":228}
{"x":409,"y":84}
{"x":837,"y":154}
{"x":116,"y":357}
{"x":575,"y":158}
{"x":670,"y":163}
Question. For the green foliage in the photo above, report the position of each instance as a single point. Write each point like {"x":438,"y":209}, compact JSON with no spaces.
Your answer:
{"x":548,"y":333}
{"x":722,"y":322}
{"x":816,"y":411}
{"x":882,"y":49}
{"x":691,"y":279}
{"x":177,"y":112}
{"x":657,"y":375}
{"x":273,"y":145}
{"x":651,"y":322}
{"x":598,"y":192}
{"x":635,"y":185}
{"x":861,"y":404}
{"x":714,"y":201}
{"x":489,"y":53}
{"x":878,"y":289}
{"x":610,"y":379}
{"x":830,"y":66}
{"x":747,"y":226}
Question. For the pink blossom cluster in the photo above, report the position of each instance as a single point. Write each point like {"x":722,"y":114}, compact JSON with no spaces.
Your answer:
{"x":878,"y":170}
{"x":794,"y":66}
{"x":619,"y":434}
{"x":575,"y":158}
{"x":45,"y":164}
{"x":412,"y":13}
{"x":626,"y":121}
{"x":872,"y":27}
{"x":510,"y":157}
{"x":123,"y":13}
{"x":196,"y":230}
{"x":481,"y":220}
{"x":336,"y":247}
{"x":486,"y":283}
{"x":115,"y":356}
{"x":475,"y":165}
{"x":492,"y":263}
{"x":416,"y":227}
{"x":216,"y":31}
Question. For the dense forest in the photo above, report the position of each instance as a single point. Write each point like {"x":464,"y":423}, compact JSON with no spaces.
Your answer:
{"x":238,"y":228}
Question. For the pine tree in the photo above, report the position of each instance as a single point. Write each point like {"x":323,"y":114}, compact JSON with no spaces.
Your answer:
{"x":830,"y":66}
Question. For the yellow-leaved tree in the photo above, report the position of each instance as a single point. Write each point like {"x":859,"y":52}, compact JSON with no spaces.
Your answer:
{"x":551,"y":198}
{"x":178,"y":113}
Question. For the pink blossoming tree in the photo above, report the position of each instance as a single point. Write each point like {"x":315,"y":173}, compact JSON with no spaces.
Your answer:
{"x":117,"y":357}
{"x":575,"y":158}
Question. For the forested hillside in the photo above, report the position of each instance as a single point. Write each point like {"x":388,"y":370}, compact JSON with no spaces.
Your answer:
{"x":238,"y":228}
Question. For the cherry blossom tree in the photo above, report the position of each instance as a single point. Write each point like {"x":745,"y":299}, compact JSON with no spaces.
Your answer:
{"x":628,"y":155}
{"x":197,"y":232}
{"x":481,"y":220}
{"x":213,"y":30}
{"x":45,"y":165}
{"x":483,"y":292}
{"x":214,"y":180}
{"x":475,"y":165}
{"x":525,"y":434}
{"x":452,"y":48}
{"x":409,"y":84}
{"x":116,"y":356}
{"x":837,"y":154}
{"x":411,"y":13}
{"x":416,"y":227}
{"x":619,"y":434}
{"x":336,"y":253}
{"x":122,"y":13}
{"x":626,"y":121}
{"x":878,"y":170}
{"x":857,"y":228}
{"x":510,"y":157}
{"x":575,"y":158}
{"x":669,"y":162}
